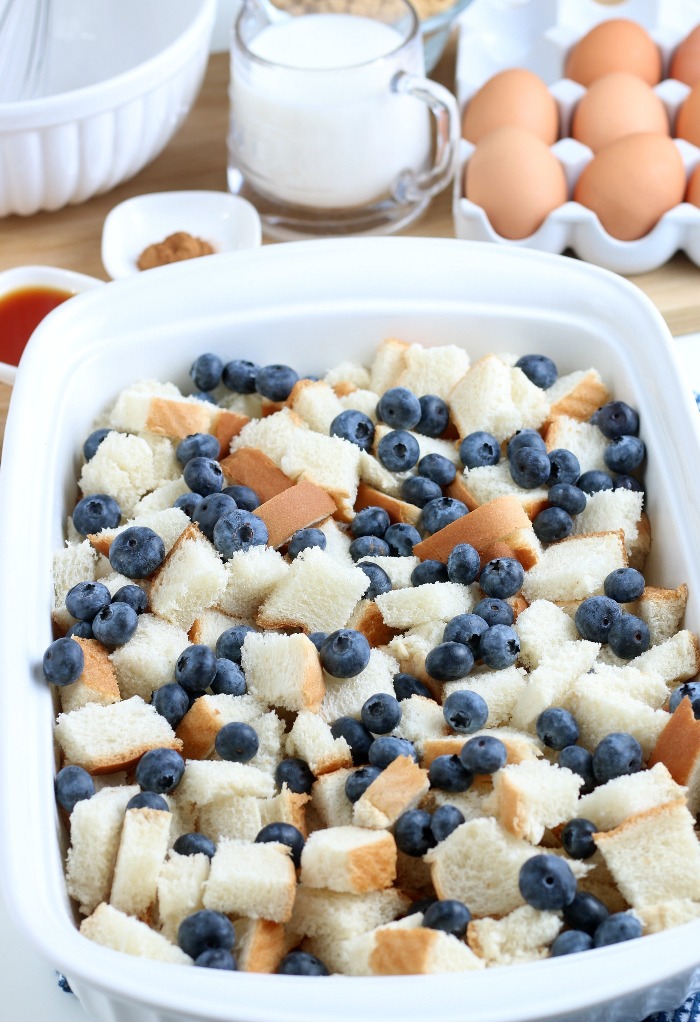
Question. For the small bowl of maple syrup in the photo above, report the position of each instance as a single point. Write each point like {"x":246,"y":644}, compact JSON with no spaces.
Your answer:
{"x":27,"y":295}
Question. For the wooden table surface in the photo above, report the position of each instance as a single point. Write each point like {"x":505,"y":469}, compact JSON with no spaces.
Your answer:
{"x":196,"y":158}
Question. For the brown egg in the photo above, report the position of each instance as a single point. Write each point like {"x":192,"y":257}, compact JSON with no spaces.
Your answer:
{"x":688,"y":118}
{"x":616,"y":105}
{"x":512,"y":97}
{"x":614,"y":45}
{"x":516,"y":179}
{"x":685,"y":62}
{"x":631,"y":183}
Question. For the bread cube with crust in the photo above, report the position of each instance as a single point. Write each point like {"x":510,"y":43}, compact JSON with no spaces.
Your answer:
{"x":160,"y":408}
{"x":211,"y":624}
{"x":260,"y":945}
{"x":209,"y":713}
{"x":524,"y":935}
{"x":168,"y":523}
{"x":609,"y":510}
{"x":432,"y":370}
{"x":336,"y":915}
{"x":316,"y":402}
{"x":349,"y":859}
{"x":575,"y":568}
{"x":609,"y":805}
{"x":500,"y":689}
{"x":257,"y":881}
{"x":388,"y":364}
{"x":142,"y":849}
{"x":251,"y":575}
{"x":578,"y":394}
{"x":485,"y":483}
{"x":287,"y":807}
{"x":283,"y":670}
{"x":114,"y":929}
{"x":662,"y":610}
{"x":676,"y":660}
{"x":273,"y":434}
{"x":678,"y":749}
{"x":599,"y":712}
{"x":533,"y":795}
{"x":147,"y":661}
{"x":329,"y":802}
{"x":310,"y":739}
{"x":96,"y":684}
{"x":347,"y":372}
{"x":584,"y":440}
{"x":329,"y":462}
{"x":180,"y":887}
{"x":398,"y":788}
{"x":190,"y":580}
{"x":407,"y":948}
{"x":497,"y":398}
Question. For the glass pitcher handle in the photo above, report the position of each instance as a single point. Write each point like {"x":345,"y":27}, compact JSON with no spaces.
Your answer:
{"x":412,"y":186}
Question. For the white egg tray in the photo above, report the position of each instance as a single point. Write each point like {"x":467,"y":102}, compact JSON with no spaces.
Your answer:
{"x":538,"y":35}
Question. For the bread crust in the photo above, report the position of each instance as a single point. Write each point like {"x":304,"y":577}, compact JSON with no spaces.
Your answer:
{"x":481,"y":527}
{"x":370,"y":622}
{"x":261,"y":946}
{"x":177,"y":419}
{"x":226,"y":426}
{"x":399,"y":787}
{"x":198,"y":730}
{"x":399,"y":952}
{"x":582,"y":400}
{"x":297,"y":507}
{"x":678,"y":745}
{"x":99,"y":675}
{"x":398,"y":510}
{"x":372,"y":867}
{"x":250,"y":467}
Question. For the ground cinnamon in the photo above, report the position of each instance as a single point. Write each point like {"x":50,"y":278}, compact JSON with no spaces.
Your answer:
{"x":173,"y":249}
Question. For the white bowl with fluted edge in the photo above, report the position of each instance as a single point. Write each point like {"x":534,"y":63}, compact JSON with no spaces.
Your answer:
{"x":120,"y":80}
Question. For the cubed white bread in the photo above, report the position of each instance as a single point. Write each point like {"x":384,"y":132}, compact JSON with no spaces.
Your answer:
{"x":190,"y":580}
{"x":421,"y":720}
{"x":260,"y":945}
{"x":273,"y":434}
{"x":318,"y":594}
{"x":374,"y":474}
{"x":398,"y":569}
{"x":211,"y":624}
{"x":73,"y":563}
{"x":388,"y":364}
{"x":122,"y":466}
{"x":649,"y":688}
{"x":578,"y":394}
{"x":316,"y":403}
{"x":180,"y":888}
{"x":676,"y":660}
{"x":519,"y":745}
{"x":95,"y":829}
{"x":337,"y":541}
{"x":310,"y":739}
{"x":471,"y":803}
{"x":553,"y":680}
{"x":142,"y":848}
{"x":114,"y":581}
{"x":283,"y":670}
{"x":489,"y":482}
{"x":244,"y":404}
{"x":501,"y":690}
{"x":132,"y":408}
{"x":349,"y":859}
{"x":435,"y":601}
{"x":609,"y":510}
{"x":348,"y":372}
{"x":411,"y":949}
{"x":329,"y":462}
{"x":96,"y":684}
{"x":667,"y":914}
{"x":599,"y":712}
{"x":163,"y":497}
{"x":103,"y":739}
{"x":209,"y":780}
{"x":345,"y":696}
{"x":609,"y":805}
{"x":166,"y":467}
{"x":169,"y":524}
{"x":426,"y":444}
{"x":662,"y":610}
{"x":253,"y":880}
{"x":542,"y":627}
{"x":533,"y":795}
{"x":584,"y":441}
{"x":231,"y":818}
{"x":251,"y":575}
{"x":367,"y":619}
{"x":287,"y":807}
{"x":524,"y":935}
{"x":398,"y":788}
{"x":209,"y":713}
{"x":335,"y":916}
{"x":678,"y":748}
{"x":111,"y":928}
{"x":497,"y":398}
{"x":575,"y":568}
{"x":432,"y":370}
{"x":329,"y":801}
{"x":411,"y":649}
{"x":361,"y":400}
{"x":147,"y":661}
{"x":655,"y":855}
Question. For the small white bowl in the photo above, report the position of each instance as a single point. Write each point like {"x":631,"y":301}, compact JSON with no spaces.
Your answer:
{"x":226,"y":221}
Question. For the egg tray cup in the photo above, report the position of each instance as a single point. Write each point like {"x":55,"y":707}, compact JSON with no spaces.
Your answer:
{"x":538,"y":35}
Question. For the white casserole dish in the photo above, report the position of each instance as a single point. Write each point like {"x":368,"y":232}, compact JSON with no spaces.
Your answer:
{"x":313,"y":304}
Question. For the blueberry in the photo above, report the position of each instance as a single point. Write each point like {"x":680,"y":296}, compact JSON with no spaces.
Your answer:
{"x":381,"y":713}
{"x":81,"y":630}
{"x":539,"y":370}
{"x":483,"y":754}
{"x":73,"y":784}
{"x":195,"y":668}
{"x":502,"y":577}
{"x":345,"y":653}
{"x":546,"y":882}
{"x":565,"y":467}
{"x":85,"y":599}
{"x":379,"y":580}
{"x":413,"y":833}
{"x":148,"y":800}
{"x":552,"y":524}
{"x":206,"y":371}
{"x":230,"y":642}
{"x":239,"y":530}
{"x":240,"y":376}
{"x":134,"y":595}
{"x":525,"y":438}
{"x":188,"y":502}
{"x":499,"y":646}
{"x":557,"y":728}
{"x":301,"y":963}
{"x":448,"y":661}
{"x":160,"y":770}
{"x":96,"y":512}
{"x":624,"y":585}
{"x":63,"y":662}
{"x":434,"y":416}
{"x":402,"y":538}
{"x":359,"y":781}
{"x":624,"y":454}
{"x":296,"y":774}
{"x":571,"y":942}
{"x":617,"y":754}
{"x":529,"y":468}
{"x":420,"y":906}
{"x":579,"y":761}
{"x":629,"y":637}
{"x":229,"y":679}
{"x":115,"y":624}
{"x":275,"y":382}
{"x":441,"y":512}
{"x":595,"y":617}
{"x":405,"y":686}
{"x":419,"y":490}
{"x":136,"y":552}
{"x":304,"y":539}
{"x":216,"y":958}
{"x":398,"y":450}
{"x":284,"y":834}
{"x":197,"y":445}
{"x":245,"y":498}
{"x":195,"y":844}
{"x":449,"y":774}
{"x":205,"y":931}
{"x":93,"y":442}
{"x":585,"y":912}
{"x":354,"y":426}
{"x":428,"y":571}
{"x":465,"y":628}
{"x":356,"y":735}
{"x":617,"y":927}
{"x":494,"y":612}
{"x":569,"y":498}
{"x":594,"y":481}
{"x":617,"y":419}
{"x":463,"y":564}
{"x":465,"y":711}
{"x":449,"y":915}
{"x":625,"y":482}
{"x":385,"y":749}
{"x":172,"y":702}
{"x":318,"y":638}
{"x":691,"y":689}
{"x":370,"y":521}
{"x":237,"y":742}
{"x":577,"y":838}
{"x":399,"y":408}
{"x":210,"y":509}
{"x":446,"y":818}
{"x":478,"y":449}
{"x":438,"y":468}
{"x":203,"y":476}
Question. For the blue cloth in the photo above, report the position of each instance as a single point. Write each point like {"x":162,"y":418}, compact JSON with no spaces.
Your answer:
{"x":690,"y":1011}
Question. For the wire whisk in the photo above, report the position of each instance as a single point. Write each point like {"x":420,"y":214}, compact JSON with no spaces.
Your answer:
{"x":24,"y":33}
